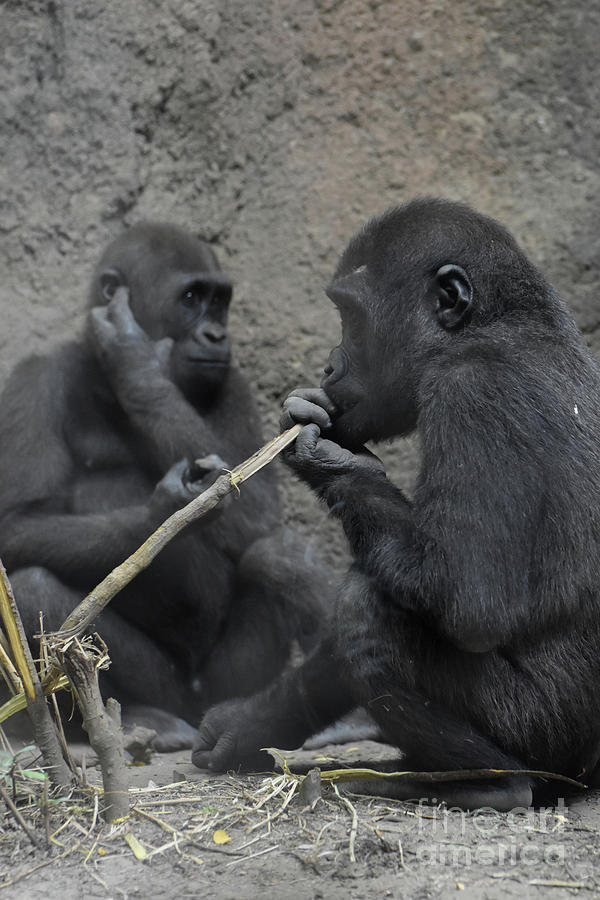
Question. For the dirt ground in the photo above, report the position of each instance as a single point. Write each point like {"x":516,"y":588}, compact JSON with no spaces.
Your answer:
{"x":274,"y":128}
{"x":280,"y":846}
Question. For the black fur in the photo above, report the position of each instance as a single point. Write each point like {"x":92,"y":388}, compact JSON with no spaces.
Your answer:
{"x":469,"y":625}
{"x":86,"y":437}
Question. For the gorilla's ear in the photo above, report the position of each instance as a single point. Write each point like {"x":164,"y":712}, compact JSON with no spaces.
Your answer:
{"x":110,"y":280}
{"x":454,"y":296}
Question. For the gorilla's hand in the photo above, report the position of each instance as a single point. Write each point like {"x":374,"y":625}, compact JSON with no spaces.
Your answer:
{"x":123,"y":347}
{"x":307,"y":405}
{"x":230,"y":737}
{"x":183,"y":483}
{"x":318,"y":460}
{"x":203,"y":472}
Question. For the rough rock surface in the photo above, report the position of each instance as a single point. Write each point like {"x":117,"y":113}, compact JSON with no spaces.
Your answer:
{"x":275,"y":129}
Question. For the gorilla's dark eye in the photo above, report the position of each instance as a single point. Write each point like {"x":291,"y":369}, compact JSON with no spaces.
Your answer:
{"x":192,"y":297}
{"x":206,"y":295}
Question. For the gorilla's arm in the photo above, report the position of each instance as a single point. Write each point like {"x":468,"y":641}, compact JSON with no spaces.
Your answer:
{"x":299,"y":704}
{"x":80,"y":549}
{"x":170,"y":423}
{"x":459,"y":554}
{"x":38,"y":525}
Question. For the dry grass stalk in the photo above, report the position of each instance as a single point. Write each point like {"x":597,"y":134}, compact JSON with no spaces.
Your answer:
{"x":349,"y":774}
{"x":12,"y":625}
{"x":11,"y":676}
{"x":44,"y":728}
{"x":51,"y":683}
{"x":354,"y":826}
{"x":17,"y":816}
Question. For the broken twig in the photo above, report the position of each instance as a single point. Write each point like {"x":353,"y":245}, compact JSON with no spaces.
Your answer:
{"x":86,"y":612}
{"x":103,"y":726}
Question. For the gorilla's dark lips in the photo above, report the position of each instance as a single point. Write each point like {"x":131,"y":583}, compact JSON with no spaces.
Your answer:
{"x":204,"y":361}
{"x":342,"y":410}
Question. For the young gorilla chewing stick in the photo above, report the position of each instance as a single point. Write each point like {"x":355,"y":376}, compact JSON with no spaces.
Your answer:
{"x":469,"y":623}
{"x":97,"y":444}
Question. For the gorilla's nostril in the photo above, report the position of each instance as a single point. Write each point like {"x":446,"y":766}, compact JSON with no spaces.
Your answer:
{"x":337,"y":365}
{"x":214,"y":334}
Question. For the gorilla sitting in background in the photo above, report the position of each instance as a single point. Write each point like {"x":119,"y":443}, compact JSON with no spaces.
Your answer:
{"x":97,"y":443}
{"x":469,"y":623}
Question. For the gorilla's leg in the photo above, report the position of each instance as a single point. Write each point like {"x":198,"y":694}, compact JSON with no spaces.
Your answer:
{"x":282,"y":593}
{"x":390,"y":677}
{"x":145,"y":671}
{"x":287,"y":569}
{"x":36,"y":589}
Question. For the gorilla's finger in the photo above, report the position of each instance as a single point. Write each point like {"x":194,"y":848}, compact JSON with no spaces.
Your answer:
{"x":121,"y":297}
{"x":120,"y":312}
{"x":201,"y":757}
{"x":223,"y":755}
{"x":177,"y":470}
{"x":304,"y":412}
{"x":163,"y":349}
{"x":173,"y":481}
{"x":306,"y":443}
{"x":203,"y":745}
{"x":315,"y":395}
{"x":206,"y":464}
{"x":101,"y":326}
